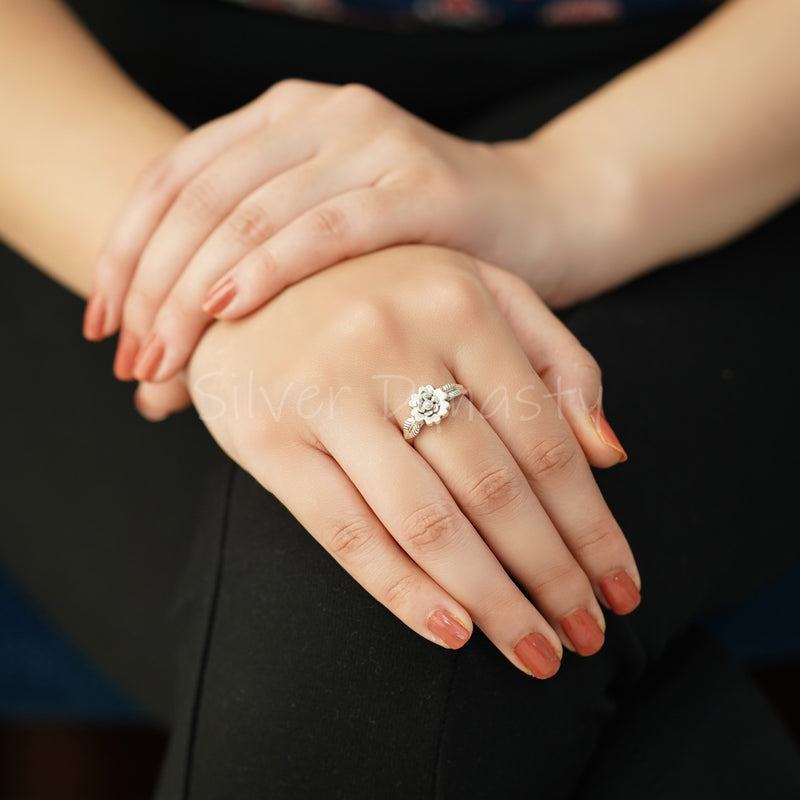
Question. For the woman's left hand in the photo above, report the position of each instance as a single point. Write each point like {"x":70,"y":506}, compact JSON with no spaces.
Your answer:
{"x":300,"y":179}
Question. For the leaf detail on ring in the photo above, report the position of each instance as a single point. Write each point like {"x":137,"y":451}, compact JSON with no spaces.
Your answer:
{"x":411,"y":428}
{"x":453,"y":390}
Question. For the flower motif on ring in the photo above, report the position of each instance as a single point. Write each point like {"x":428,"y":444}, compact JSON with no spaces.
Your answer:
{"x":429,"y":405}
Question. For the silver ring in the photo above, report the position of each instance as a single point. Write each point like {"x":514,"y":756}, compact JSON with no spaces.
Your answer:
{"x":430,"y":406}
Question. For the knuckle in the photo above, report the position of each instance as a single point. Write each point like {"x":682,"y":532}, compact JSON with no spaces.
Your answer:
{"x":456,"y":297}
{"x":399,"y":594}
{"x":139,"y":305}
{"x":330,"y":222}
{"x":598,"y":538}
{"x":501,"y":605}
{"x":289,"y":85}
{"x":250,"y":224}
{"x":565,"y":576}
{"x":285,"y":89}
{"x":431,"y":528}
{"x":494,"y":490}
{"x":157,"y":176}
{"x":350,"y":538}
{"x":262,"y":259}
{"x":552,"y":456}
{"x":176,"y":313}
{"x":358,"y":95}
{"x":363,"y":324}
{"x":199,"y":200}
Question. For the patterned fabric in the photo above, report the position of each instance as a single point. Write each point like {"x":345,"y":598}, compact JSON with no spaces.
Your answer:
{"x":475,"y":13}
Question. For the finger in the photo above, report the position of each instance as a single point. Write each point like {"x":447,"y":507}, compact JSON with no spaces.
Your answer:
{"x":338,"y":518}
{"x":567,"y":368}
{"x":181,"y":318}
{"x":162,"y":182}
{"x":152,"y":196}
{"x":353,"y":223}
{"x":425,"y":520}
{"x":156,"y":401}
{"x":494,"y":494}
{"x":198,"y":209}
{"x":516,"y":404}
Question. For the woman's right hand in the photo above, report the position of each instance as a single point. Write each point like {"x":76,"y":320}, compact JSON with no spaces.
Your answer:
{"x":491,"y":516}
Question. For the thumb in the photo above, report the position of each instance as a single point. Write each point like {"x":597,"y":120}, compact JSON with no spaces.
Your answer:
{"x":569,"y":371}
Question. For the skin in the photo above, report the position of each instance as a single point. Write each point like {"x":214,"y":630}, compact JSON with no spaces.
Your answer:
{"x":61,"y":196}
{"x":454,"y":526}
{"x":681,"y":160}
{"x":679,"y":163}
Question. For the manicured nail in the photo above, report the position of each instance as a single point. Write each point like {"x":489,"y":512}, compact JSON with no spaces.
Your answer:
{"x":94,"y":318}
{"x":585,"y":634}
{"x":448,"y":629}
{"x":220,"y":298}
{"x":606,"y":434}
{"x":127,"y":348}
{"x":538,"y":656}
{"x":149,"y":359}
{"x":621,"y":592}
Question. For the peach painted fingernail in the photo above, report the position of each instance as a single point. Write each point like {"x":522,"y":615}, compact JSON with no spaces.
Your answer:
{"x":538,"y":656}
{"x":127,"y":348}
{"x":220,"y":298}
{"x":94,"y":318}
{"x":149,"y":358}
{"x":621,"y":593}
{"x":606,"y":434}
{"x":585,"y":634}
{"x":448,"y":629}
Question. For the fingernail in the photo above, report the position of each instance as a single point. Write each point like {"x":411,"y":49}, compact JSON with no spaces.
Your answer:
{"x":127,"y":348}
{"x":621,"y":592}
{"x":149,"y":358}
{"x":448,"y":629}
{"x":220,"y":298}
{"x":149,"y":414}
{"x":94,"y":317}
{"x":538,"y":656}
{"x":606,"y":434}
{"x":583,"y":631}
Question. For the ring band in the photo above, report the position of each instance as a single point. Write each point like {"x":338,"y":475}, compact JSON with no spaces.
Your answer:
{"x":430,"y":406}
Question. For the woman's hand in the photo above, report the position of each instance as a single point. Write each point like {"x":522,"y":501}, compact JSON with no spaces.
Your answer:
{"x":310,"y":394}
{"x":302,"y":178}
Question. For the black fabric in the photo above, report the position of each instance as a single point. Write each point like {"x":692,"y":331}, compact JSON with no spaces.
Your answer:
{"x":281,"y":677}
{"x":202,"y":58}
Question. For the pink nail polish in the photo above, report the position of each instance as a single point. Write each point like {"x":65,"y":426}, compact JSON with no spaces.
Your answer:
{"x":94,"y":318}
{"x":127,"y":348}
{"x":621,"y":592}
{"x":149,"y":358}
{"x":220,"y":298}
{"x":606,"y":434}
{"x":536,"y":653}
{"x":583,"y":631}
{"x":447,"y":628}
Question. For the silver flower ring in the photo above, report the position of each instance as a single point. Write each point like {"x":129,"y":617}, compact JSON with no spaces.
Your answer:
{"x":430,"y":406}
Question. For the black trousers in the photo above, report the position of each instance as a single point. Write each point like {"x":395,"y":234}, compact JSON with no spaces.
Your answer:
{"x":278,"y":675}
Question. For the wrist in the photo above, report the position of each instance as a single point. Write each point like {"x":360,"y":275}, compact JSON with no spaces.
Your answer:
{"x":581,"y":229}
